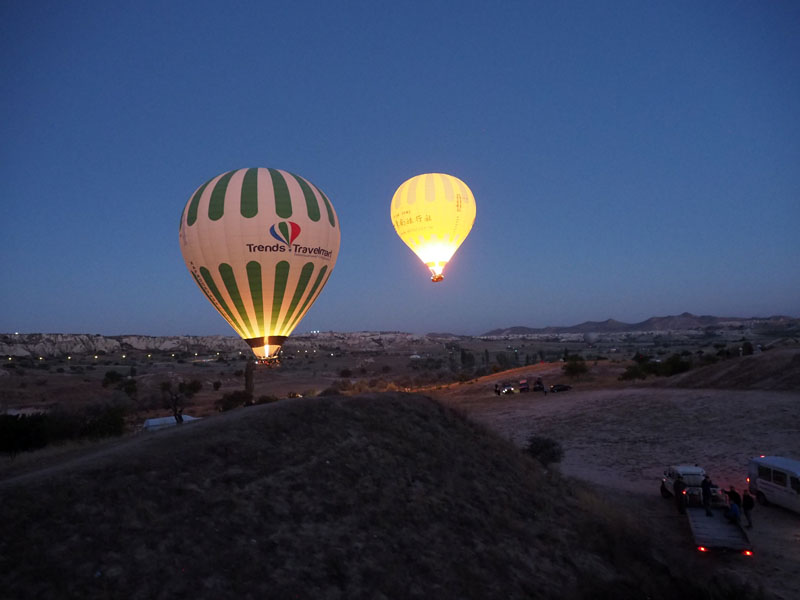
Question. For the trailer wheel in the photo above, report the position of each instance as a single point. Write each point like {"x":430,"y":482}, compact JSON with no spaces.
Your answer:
{"x":664,"y":491}
{"x":762,"y":499}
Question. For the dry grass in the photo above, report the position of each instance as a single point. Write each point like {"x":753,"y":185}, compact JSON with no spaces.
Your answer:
{"x":377,"y":496}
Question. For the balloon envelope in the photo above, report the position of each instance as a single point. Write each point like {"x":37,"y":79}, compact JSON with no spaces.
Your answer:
{"x":433,"y":214}
{"x":261,"y":245}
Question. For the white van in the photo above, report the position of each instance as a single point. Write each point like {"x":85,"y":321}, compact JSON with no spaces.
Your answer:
{"x":775,"y":480}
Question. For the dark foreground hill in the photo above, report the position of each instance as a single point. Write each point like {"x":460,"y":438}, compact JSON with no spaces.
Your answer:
{"x":381,"y":496}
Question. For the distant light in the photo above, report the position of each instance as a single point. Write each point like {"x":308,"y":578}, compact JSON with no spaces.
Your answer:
{"x":9,"y":358}
{"x":40,"y":358}
{"x":173,"y":355}
{"x":747,"y":552}
{"x":95,"y":355}
{"x":69,"y":358}
{"x":702,"y":549}
{"x":123,"y":356}
{"x":149,"y":355}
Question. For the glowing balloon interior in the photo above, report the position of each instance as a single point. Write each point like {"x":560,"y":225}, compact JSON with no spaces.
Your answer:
{"x":433,"y":214}
{"x":261,"y":245}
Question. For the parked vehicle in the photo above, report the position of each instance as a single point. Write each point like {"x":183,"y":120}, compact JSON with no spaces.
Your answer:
{"x":508,"y":388}
{"x":560,"y":387}
{"x":523,"y":385}
{"x":775,"y":480}
{"x":538,"y":386}
{"x":710,"y":532}
{"x":692,"y":478}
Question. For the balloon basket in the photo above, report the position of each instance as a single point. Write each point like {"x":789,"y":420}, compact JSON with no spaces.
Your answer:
{"x":268,"y":362}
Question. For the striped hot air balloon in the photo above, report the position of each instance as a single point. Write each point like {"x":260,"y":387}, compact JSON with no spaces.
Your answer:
{"x":261,"y":244}
{"x":433,"y":214}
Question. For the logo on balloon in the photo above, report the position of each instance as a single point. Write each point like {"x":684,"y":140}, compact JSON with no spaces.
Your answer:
{"x":286,"y":232}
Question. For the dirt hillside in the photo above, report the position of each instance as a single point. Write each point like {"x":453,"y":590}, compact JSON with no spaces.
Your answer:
{"x":773,"y":370}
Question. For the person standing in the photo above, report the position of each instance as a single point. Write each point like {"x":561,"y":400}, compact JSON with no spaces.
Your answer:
{"x":680,"y":499}
{"x":733,"y":513}
{"x":734,"y":497}
{"x":706,"y":487}
{"x":748,"y":504}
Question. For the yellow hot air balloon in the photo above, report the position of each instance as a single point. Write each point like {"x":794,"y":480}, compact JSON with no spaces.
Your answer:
{"x":261,"y":244}
{"x":433,"y":214}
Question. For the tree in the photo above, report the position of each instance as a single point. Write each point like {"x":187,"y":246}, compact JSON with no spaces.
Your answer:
{"x":575,"y":367}
{"x":467,"y":359}
{"x":502,"y":360}
{"x":175,"y":400}
{"x":249,"y":386}
{"x":111,"y":377}
{"x":129,"y":387}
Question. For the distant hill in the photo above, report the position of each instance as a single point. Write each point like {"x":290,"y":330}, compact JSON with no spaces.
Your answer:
{"x":381,"y":496}
{"x":683,"y":321}
{"x":65,"y":344}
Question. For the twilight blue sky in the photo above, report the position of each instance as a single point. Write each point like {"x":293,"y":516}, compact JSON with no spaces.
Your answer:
{"x":628,"y":158}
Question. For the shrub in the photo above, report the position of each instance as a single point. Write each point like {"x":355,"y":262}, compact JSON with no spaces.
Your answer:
{"x":544,"y":449}
{"x":233,"y":400}
{"x":20,"y":433}
{"x":104,"y":421}
{"x":674,"y":365}
{"x":129,"y":387}
{"x":633,"y":372}
{"x":575,"y":367}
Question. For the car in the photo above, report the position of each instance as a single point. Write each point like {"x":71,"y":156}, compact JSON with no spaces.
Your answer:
{"x":523,"y":385}
{"x":508,"y":388}
{"x":560,"y":387}
{"x":538,"y":386}
{"x":693,"y":478}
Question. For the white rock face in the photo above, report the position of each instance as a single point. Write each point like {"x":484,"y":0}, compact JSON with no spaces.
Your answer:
{"x":60,"y":344}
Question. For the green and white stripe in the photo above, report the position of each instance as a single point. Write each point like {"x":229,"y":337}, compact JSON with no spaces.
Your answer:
{"x":260,"y":286}
{"x":249,"y":190}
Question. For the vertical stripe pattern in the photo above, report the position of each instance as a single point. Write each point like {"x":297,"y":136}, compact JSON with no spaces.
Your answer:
{"x":260,"y":245}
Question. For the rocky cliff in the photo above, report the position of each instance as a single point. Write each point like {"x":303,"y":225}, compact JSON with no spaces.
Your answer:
{"x":65,"y":344}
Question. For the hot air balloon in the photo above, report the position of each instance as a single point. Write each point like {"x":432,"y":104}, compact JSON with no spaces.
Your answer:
{"x":433,"y":214}
{"x":261,"y":244}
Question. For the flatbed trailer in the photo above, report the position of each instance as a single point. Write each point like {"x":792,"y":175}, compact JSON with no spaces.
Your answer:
{"x":715,"y":532}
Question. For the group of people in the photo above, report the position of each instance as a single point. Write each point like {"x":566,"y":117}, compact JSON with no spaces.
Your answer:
{"x":737,"y":504}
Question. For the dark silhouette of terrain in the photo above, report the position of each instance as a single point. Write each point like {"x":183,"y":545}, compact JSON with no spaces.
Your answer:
{"x":377,"y":496}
